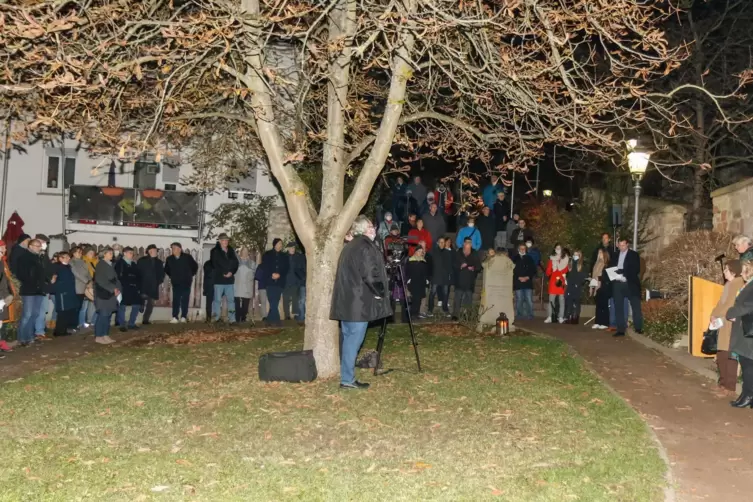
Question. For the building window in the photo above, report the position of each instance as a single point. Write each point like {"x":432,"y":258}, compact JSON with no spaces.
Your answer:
{"x":171,"y":187}
{"x":145,"y":175}
{"x":53,"y":172}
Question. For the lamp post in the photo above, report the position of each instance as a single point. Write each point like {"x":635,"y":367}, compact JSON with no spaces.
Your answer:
{"x":637,"y":163}
{"x":547,"y":193}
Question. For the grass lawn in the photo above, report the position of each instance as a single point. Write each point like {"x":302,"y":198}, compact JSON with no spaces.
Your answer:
{"x":513,"y":420}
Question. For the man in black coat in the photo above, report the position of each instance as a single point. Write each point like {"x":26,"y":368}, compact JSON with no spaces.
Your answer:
{"x":467,"y":267}
{"x":31,"y":272}
{"x":295,"y":284}
{"x":487,"y":227}
{"x":606,"y":245}
{"x":522,"y":283}
{"x":628,"y":286}
{"x":225,"y":264}
{"x":501,"y":212}
{"x":275,"y":265}
{"x":441,"y":275}
{"x":180,"y":267}
{"x":361,"y":295}
{"x":152,"y":272}
{"x":130,"y":280}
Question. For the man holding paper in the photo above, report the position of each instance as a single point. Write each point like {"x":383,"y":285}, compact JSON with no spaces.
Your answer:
{"x":624,"y":272}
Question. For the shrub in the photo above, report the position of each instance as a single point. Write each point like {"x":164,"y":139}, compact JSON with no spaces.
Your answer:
{"x":550,"y":225}
{"x":692,"y":253}
{"x":663,"y":321}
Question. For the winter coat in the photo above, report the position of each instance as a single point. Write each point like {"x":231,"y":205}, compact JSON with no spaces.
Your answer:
{"x":415,"y":236}
{"x":398,"y":201}
{"x":64,"y":288}
{"x":296,"y":276}
{"x":465,"y":277}
{"x":725,"y":303}
{"x":631,"y":269}
{"x":16,"y":252}
{"x":152,"y":272}
{"x":81,"y":273}
{"x":361,"y":287}
{"x":471,"y":232}
{"x":575,"y":282}
{"x":275,"y":262}
{"x":747,"y":254}
{"x":488,"y":229}
{"x":743,"y":306}
{"x":535,"y":255}
{"x":244,"y":279}
{"x":418,"y":277}
{"x":435,"y":225}
{"x":442,"y":267}
{"x":520,"y":236}
{"x":6,"y":292}
{"x":444,"y":201}
{"x":490,"y":194}
{"x":32,"y":273}
{"x":501,"y":215}
{"x":524,"y":267}
{"x":224,"y":262}
{"x":105,"y":283}
{"x":208,"y":283}
{"x":182,"y":269}
{"x":556,"y":270}
{"x":130,"y":280}
{"x":512,"y":226}
{"x":418,"y":192}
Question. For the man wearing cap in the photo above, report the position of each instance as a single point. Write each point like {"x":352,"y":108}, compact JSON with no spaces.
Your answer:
{"x":19,"y":248}
{"x":180,"y":267}
{"x":152,"y":272}
{"x":294,"y":294}
{"x":225,"y":265}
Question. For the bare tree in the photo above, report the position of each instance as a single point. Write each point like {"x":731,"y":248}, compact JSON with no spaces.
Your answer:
{"x":337,"y":83}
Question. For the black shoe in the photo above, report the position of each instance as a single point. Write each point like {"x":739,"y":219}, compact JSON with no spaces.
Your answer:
{"x":639,"y":331}
{"x":146,"y":323}
{"x":123,"y":329}
{"x":742,"y":402}
{"x":618,"y":334}
{"x":354,"y":385}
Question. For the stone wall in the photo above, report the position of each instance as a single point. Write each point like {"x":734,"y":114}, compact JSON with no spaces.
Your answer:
{"x":733,"y":208}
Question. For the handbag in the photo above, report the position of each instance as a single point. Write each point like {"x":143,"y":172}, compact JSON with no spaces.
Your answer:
{"x":710,"y":340}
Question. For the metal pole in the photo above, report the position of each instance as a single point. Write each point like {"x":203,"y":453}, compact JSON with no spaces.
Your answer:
{"x":635,"y":218}
{"x":6,"y":163}
{"x":512,"y":195}
{"x":61,"y":180}
{"x":538,"y":166}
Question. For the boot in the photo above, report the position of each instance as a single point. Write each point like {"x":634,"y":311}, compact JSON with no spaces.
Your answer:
{"x":575,"y":319}
{"x":744,"y":401}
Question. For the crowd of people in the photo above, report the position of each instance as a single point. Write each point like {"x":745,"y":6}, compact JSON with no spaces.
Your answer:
{"x":84,"y":288}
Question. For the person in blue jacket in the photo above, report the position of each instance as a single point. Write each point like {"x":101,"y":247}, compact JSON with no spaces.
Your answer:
{"x":469,"y":231}
{"x":490,"y":192}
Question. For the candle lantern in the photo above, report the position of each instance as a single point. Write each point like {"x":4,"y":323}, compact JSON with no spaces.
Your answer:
{"x":503,"y":325}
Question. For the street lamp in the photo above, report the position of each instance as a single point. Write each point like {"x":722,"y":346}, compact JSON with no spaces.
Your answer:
{"x":547,"y":193}
{"x":637,"y":163}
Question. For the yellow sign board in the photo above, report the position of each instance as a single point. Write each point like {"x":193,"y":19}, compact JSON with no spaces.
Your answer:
{"x":702,"y":298}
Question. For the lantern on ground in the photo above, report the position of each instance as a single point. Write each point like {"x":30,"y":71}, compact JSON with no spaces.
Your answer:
{"x":502,"y":325}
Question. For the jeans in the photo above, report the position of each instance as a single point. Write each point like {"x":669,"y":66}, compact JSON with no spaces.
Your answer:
{"x":228,"y":290}
{"x":32,"y":305}
{"x":273,"y":296}
{"x":102,"y":323}
{"x":560,"y":301}
{"x":620,"y":293}
{"x":84,"y":311}
{"x":302,"y":303}
{"x":40,"y":322}
{"x":181,"y":295}
{"x":442,"y":295}
{"x":524,"y":304}
{"x":612,"y":311}
{"x":353,"y":333}
{"x":131,"y":319}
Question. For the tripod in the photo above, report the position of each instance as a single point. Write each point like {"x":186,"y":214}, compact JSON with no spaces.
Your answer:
{"x":383,"y":332}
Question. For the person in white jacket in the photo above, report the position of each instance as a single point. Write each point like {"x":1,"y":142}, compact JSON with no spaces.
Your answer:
{"x":244,"y":284}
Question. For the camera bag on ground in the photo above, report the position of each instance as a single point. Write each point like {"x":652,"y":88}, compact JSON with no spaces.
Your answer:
{"x":369,"y":360}
{"x":287,"y":367}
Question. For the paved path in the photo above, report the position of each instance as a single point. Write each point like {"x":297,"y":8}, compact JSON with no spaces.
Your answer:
{"x":709,"y":443}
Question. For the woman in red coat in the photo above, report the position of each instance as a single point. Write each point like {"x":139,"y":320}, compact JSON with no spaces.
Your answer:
{"x":417,"y":235}
{"x":556,"y":270}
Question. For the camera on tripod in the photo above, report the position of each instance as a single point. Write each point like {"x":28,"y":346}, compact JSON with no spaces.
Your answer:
{"x":396,"y":251}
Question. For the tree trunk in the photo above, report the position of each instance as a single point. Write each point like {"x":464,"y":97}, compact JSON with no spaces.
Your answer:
{"x":321,"y":334}
{"x":699,"y":198}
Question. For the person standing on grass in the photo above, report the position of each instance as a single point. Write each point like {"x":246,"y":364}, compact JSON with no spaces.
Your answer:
{"x":295,"y":279}
{"x":152,"y":272}
{"x":32,"y":275}
{"x":276,"y":263}
{"x":360,"y":295}
{"x":6,"y":297}
{"x":208,"y":286}
{"x":181,"y":268}
{"x":467,"y":267}
{"x":244,"y":284}
{"x":441,"y":275}
{"x":130,"y":281}
{"x":83,"y":278}
{"x":725,"y":362}
{"x":67,"y":301}
{"x":556,"y":270}
{"x":522,"y":276}
{"x":106,"y":296}
{"x":225,"y":265}
{"x":741,"y":340}
{"x":417,"y":272}
{"x":628,"y":285}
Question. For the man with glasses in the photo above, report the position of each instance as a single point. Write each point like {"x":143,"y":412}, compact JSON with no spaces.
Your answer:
{"x":32,"y":274}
